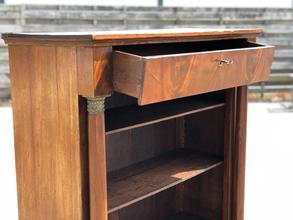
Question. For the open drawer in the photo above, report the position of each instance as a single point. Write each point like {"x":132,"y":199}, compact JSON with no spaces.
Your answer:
{"x":159,"y":72}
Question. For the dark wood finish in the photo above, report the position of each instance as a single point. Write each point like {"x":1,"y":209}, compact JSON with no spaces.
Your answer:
{"x":185,"y":216}
{"x":129,"y":117}
{"x":109,"y":38}
{"x":230,"y":114}
{"x":48,"y":148}
{"x":129,"y":162}
{"x":204,"y":131}
{"x":147,"y":209}
{"x":83,"y":132}
{"x":159,"y":73}
{"x":97,"y":167}
{"x":239,"y":155}
{"x":142,"y":180}
{"x":136,"y":145}
{"x":203,"y":195}
{"x":117,"y":100}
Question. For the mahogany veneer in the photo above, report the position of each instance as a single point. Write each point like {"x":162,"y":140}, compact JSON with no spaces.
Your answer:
{"x":137,"y":125}
{"x":155,"y":73}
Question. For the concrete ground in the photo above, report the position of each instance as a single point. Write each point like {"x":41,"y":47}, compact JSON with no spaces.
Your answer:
{"x":269,"y":181}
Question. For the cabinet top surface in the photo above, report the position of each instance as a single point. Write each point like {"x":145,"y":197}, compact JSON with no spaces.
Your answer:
{"x":126,"y":36}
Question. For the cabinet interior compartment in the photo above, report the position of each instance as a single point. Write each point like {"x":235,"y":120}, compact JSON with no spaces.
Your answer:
{"x":165,"y":163}
{"x":146,"y":50}
{"x":200,"y":198}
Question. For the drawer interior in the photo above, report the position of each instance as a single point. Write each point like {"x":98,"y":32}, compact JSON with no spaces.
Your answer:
{"x":162,"y":162}
{"x":185,"y":47}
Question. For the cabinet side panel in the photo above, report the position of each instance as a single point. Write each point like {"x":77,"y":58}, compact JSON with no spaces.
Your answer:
{"x":46,"y":129}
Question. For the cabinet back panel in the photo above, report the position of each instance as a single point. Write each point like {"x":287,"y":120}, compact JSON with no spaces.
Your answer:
{"x":135,"y":145}
{"x":118,"y":100}
{"x":203,"y":195}
{"x":204,"y":131}
{"x":200,"y":196}
{"x":157,"y":207}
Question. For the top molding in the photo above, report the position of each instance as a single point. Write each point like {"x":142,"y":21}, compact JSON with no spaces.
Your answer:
{"x":112,"y":38}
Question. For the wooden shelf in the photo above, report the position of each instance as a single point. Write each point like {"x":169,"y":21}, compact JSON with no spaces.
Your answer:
{"x":139,"y":181}
{"x":124,"y":118}
{"x":185,"y":216}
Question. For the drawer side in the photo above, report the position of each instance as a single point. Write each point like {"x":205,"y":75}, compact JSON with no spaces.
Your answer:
{"x":127,"y":73}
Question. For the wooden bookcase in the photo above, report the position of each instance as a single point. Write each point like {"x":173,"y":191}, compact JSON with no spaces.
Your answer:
{"x":157,"y":155}
{"x":133,"y":125}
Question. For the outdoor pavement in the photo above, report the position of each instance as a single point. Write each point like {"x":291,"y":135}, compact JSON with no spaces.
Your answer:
{"x":269,"y":180}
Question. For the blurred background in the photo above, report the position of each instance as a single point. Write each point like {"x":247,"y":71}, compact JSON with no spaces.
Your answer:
{"x":269,"y":193}
{"x":275,"y":17}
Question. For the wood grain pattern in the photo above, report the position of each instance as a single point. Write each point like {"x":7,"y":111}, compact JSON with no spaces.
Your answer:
{"x":97,"y":167}
{"x":239,"y":155}
{"x":94,"y":71}
{"x":169,"y":76}
{"x":181,"y":76}
{"x":109,"y":38}
{"x":143,"y":180}
{"x":128,"y":80}
{"x":46,"y":129}
{"x":61,"y":156}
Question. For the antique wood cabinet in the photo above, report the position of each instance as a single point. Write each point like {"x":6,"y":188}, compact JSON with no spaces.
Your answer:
{"x":133,"y":125}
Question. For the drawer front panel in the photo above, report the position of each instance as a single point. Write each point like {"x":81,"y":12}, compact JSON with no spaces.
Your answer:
{"x":179,"y":76}
{"x":165,"y":77}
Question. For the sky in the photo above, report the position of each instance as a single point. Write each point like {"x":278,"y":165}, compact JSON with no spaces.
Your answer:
{"x":194,"y":3}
